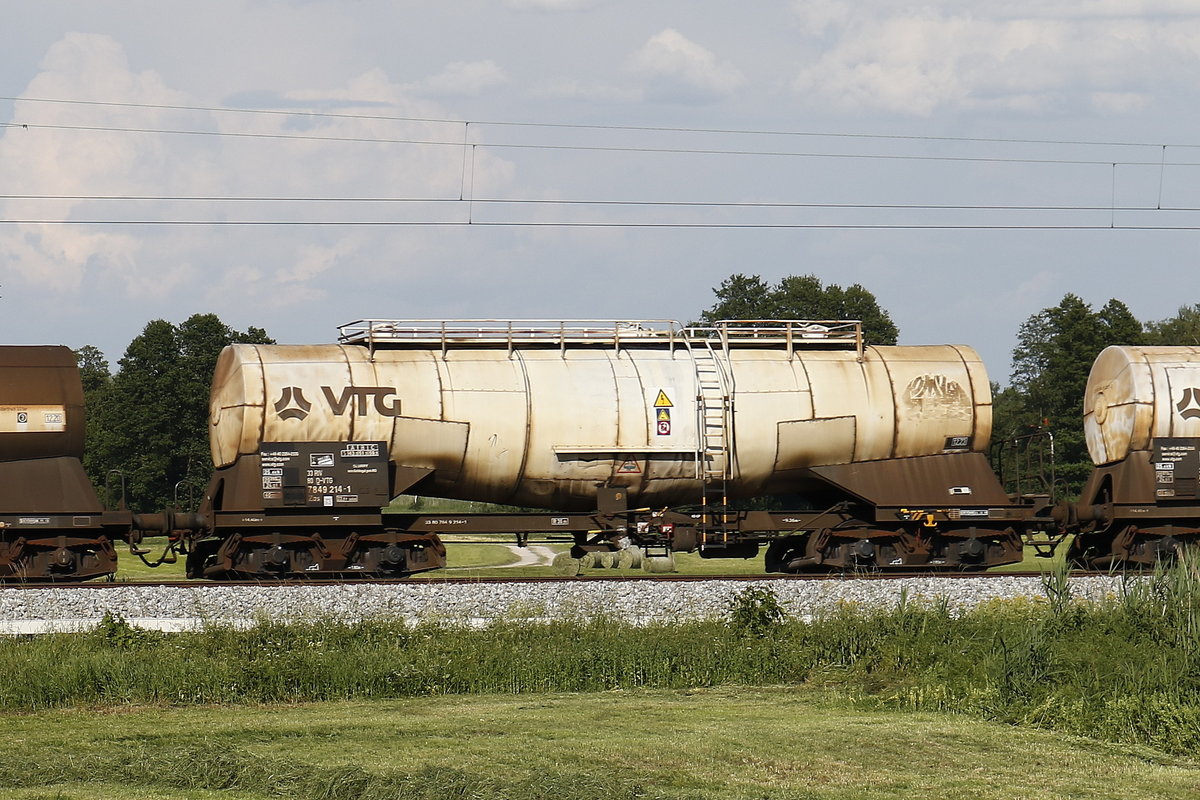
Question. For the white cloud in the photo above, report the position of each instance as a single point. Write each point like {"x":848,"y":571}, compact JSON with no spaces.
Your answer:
{"x":553,"y":5}
{"x":367,"y":150}
{"x":465,"y":78}
{"x":816,"y":16}
{"x":816,"y":12}
{"x":1022,"y":56}
{"x":567,"y":89}
{"x":1058,"y":9}
{"x":1119,"y":102}
{"x":677,"y":68}
{"x":1038,"y":290}
{"x":313,"y":259}
{"x":44,"y":161}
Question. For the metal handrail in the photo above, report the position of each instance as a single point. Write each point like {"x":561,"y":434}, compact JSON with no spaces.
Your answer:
{"x":498,"y":331}
{"x":444,"y":333}
{"x":792,"y":333}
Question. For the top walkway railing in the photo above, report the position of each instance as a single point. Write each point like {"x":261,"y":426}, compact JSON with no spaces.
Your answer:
{"x":793,"y":334}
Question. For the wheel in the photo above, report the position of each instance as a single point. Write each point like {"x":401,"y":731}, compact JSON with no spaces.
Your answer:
{"x":201,"y":556}
{"x":781,"y":552}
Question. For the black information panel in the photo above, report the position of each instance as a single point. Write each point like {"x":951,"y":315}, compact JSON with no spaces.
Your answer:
{"x":324,"y":474}
{"x":1176,"y":467}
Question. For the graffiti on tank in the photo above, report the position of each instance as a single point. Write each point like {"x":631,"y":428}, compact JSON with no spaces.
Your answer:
{"x":936,"y":397}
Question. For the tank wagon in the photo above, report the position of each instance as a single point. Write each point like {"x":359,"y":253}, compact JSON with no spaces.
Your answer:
{"x":616,"y":432}
{"x":1142,"y":423}
{"x":52,"y":524}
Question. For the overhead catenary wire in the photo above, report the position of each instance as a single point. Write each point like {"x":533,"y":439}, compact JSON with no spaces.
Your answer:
{"x":596,"y":126}
{"x":468,"y":198}
{"x":500,"y":145}
{"x":467,"y":222}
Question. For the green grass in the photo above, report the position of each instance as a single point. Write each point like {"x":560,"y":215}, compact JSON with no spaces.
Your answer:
{"x":1017,"y":699}
{"x":1125,"y":670}
{"x":132,"y":569}
{"x":466,"y":558}
{"x":731,"y":743}
{"x":476,"y":559}
{"x":1034,"y":563}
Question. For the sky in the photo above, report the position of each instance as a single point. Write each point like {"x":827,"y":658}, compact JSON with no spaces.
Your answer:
{"x":299,"y":164}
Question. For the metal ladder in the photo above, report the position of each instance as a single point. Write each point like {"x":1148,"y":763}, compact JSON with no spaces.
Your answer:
{"x":713,"y":443}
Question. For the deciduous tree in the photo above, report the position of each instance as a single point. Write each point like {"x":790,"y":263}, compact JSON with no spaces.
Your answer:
{"x":95,"y":376}
{"x":1181,"y":329}
{"x":151,"y":420}
{"x":749,"y":297}
{"x":1051,"y":362}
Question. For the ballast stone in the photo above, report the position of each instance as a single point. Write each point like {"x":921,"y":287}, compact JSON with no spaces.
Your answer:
{"x":641,"y":602}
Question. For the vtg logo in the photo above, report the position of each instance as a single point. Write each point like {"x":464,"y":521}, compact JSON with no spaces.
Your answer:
{"x":292,"y":404}
{"x":1189,"y":404}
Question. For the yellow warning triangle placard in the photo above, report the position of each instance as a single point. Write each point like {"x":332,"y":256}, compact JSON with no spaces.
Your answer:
{"x":662,"y":401}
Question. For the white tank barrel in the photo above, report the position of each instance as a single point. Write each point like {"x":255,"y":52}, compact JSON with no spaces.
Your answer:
{"x":542,"y":416}
{"x":1136,"y":394}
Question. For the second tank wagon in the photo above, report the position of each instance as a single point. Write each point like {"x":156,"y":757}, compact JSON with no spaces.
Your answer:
{"x":1142,"y":422}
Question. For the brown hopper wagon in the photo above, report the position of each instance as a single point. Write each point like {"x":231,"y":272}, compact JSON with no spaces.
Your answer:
{"x":52,"y":525}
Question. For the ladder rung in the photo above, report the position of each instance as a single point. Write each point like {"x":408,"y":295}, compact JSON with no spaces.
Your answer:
{"x":713,"y":451}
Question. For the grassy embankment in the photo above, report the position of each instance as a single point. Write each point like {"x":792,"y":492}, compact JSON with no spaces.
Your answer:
{"x":711,"y":744}
{"x":654,"y":709}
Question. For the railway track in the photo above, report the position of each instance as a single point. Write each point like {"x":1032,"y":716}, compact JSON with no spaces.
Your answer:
{"x":607,"y":579}
{"x":37,"y":608}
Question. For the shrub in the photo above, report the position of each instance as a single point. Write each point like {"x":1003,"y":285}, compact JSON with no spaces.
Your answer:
{"x":755,"y":611}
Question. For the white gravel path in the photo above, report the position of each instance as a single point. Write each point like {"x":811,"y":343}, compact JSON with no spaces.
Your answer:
{"x":534,"y":555}
{"x":172,"y":608}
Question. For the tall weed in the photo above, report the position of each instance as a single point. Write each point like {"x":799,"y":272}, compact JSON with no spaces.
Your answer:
{"x":1125,"y":669}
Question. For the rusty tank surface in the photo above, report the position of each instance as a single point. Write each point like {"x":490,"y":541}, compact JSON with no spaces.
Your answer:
{"x":544,"y":422}
{"x":644,"y":430}
{"x":1142,"y":422}
{"x":52,"y":525}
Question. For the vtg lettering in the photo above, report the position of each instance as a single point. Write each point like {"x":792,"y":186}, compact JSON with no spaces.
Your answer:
{"x":365,"y":396}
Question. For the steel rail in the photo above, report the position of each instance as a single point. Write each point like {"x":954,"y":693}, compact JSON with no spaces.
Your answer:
{"x":566,"y":579}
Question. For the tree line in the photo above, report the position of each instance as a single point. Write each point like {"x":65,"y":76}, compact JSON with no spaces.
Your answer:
{"x":1051,"y":361}
{"x":147,"y":422}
